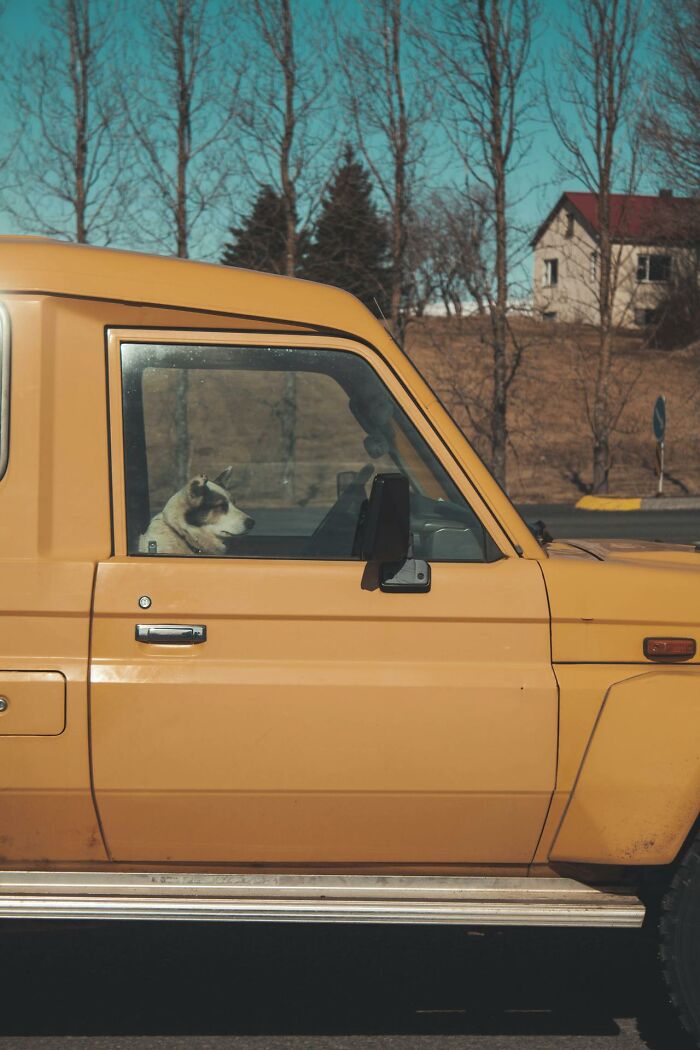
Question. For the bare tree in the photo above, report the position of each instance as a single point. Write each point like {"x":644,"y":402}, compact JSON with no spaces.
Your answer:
{"x":480,"y":53}
{"x":388,"y":106}
{"x":594,"y":117}
{"x":446,"y":241}
{"x":284,"y":145}
{"x":179,"y":110}
{"x":180,"y":107}
{"x":65,"y":181}
{"x":672,"y":119}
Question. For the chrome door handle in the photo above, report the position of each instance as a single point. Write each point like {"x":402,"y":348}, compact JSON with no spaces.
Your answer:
{"x":171,"y":633}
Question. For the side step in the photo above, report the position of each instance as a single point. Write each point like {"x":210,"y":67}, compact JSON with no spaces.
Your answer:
{"x":314,"y":898}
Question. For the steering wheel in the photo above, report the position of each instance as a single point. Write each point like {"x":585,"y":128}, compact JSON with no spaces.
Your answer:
{"x":335,"y":533}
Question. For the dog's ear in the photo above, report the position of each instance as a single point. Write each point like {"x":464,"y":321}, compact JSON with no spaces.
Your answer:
{"x":196,"y":490}
{"x":225,"y":478}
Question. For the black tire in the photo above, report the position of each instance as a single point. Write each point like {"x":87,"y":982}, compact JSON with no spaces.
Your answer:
{"x":679,"y":930}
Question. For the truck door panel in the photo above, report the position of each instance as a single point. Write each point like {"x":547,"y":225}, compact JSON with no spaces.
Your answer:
{"x":322,"y":721}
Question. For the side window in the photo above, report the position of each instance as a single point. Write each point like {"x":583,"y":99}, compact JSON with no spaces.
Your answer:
{"x":4,"y":389}
{"x":261,"y":452}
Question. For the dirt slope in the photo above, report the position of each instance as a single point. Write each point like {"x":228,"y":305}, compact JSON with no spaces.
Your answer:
{"x":551,"y":445}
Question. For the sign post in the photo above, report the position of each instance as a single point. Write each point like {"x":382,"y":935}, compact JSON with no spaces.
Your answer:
{"x":659,"y":424}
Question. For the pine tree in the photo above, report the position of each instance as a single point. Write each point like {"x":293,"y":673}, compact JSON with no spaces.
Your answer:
{"x":260,"y":242}
{"x":350,"y":245}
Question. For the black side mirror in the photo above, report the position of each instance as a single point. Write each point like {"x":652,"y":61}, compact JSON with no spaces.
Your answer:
{"x":387,"y":528}
{"x":386,"y":537}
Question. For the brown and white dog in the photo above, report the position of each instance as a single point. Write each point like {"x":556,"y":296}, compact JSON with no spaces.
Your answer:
{"x":199,"y":519}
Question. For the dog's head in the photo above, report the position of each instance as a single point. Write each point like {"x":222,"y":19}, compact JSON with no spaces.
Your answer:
{"x":204,"y":511}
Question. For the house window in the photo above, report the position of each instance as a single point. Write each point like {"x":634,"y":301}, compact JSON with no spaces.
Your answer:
{"x":653,"y":268}
{"x":645,"y":316}
{"x":549,"y":315}
{"x":569,"y":225}
{"x":594,"y":266}
{"x":551,"y":272}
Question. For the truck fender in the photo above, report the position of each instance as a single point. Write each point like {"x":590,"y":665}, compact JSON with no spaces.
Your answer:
{"x":637,"y":792}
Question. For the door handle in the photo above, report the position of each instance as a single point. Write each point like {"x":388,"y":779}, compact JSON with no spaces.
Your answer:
{"x":171,"y":633}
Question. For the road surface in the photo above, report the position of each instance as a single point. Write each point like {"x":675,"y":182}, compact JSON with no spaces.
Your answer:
{"x":194,"y":987}
{"x":564,"y":521}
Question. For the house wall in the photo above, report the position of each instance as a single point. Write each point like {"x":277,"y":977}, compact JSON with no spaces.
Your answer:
{"x":575,"y":297}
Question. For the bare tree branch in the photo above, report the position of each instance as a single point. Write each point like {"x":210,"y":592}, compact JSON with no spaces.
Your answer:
{"x":180,"y":111}
{"x":672,"y":119}
{"x":284,"y":144}
{"x":387,"y":103}
{"x":479,"y":51}
{"x":66,"y":179}
{"x":597,"y":84}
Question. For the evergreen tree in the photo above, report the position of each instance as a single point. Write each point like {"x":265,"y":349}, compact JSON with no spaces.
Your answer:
{"x":260,"y":242}
{"x":350,"y":245}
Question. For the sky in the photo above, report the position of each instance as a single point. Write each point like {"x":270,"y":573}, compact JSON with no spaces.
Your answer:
{"x":535,"y":186}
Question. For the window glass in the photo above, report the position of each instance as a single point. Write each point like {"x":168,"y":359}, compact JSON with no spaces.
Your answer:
{"x":654,"y":268}
{"x":659,"y":267}
{"x":271,"y":452}
{"x":551,"y":272}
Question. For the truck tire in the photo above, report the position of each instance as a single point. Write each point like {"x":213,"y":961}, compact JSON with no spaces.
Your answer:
{"x":679,"y":930}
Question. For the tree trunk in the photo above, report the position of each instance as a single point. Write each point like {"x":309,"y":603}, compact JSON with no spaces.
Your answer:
{"x":499,"y":309}
{"x":288,"y":414}
{"x":182,"y":430}
{"x":398,"y":224}
{"x":601,"y":394}
{"x":183,"y":133}
{"x":79,"y":42}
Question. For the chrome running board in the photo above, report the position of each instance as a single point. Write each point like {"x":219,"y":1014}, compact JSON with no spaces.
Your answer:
{"x":314,"y":898}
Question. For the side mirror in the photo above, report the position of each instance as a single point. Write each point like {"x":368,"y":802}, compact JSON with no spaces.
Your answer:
{"x":387,"y":530}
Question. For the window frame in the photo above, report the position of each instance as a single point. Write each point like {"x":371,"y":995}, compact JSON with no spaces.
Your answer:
{"x":5,"y":372}
{"x":647,"y":257}
{"x":593,"y":264}
{"x":549,"y":264}
{"x":221,"y":338}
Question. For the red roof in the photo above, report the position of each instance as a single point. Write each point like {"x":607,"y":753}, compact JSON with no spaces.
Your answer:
{"x":636,"y":217}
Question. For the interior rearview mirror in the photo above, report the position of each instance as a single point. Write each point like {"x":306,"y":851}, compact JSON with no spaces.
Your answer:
{"x":387,"y":531}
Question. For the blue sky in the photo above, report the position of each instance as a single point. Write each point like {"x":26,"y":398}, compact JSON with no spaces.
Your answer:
{"x":537,"y":183}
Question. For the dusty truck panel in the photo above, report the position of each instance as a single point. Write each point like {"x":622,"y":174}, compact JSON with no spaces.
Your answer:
{"x":46,"y":580}
{"x":608,"y":597}
{"x":636,"y":796}
{"x":629,"y":747}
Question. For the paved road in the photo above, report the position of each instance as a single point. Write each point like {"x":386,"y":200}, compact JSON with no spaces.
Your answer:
{"x":126,"y":986}
{"x":122,"y":985}
{"x":564,"y":521}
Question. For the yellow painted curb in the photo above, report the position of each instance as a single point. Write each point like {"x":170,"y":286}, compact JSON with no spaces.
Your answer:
{"x":608,"y":503}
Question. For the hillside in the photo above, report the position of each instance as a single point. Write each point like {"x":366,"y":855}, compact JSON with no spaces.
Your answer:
{"x":550,"y":454}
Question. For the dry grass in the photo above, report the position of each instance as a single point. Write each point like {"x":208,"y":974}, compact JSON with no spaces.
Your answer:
{"x":551,"y":446}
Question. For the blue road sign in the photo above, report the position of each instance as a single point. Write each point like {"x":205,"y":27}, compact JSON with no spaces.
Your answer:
{"x":660,"y":418}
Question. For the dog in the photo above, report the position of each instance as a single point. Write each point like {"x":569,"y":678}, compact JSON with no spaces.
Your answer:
{"x":200,"y":518}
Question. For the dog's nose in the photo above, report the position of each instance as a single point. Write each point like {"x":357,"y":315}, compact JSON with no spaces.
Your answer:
{"x":248,"y":524}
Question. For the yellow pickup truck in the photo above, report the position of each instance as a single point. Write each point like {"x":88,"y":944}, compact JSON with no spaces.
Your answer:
{"x":276,"y":646}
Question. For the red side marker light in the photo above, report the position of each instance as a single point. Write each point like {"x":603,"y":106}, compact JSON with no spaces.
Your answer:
{"x":669,"y":648}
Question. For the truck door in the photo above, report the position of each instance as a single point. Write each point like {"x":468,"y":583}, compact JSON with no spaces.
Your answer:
{"x":255,"y":697}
